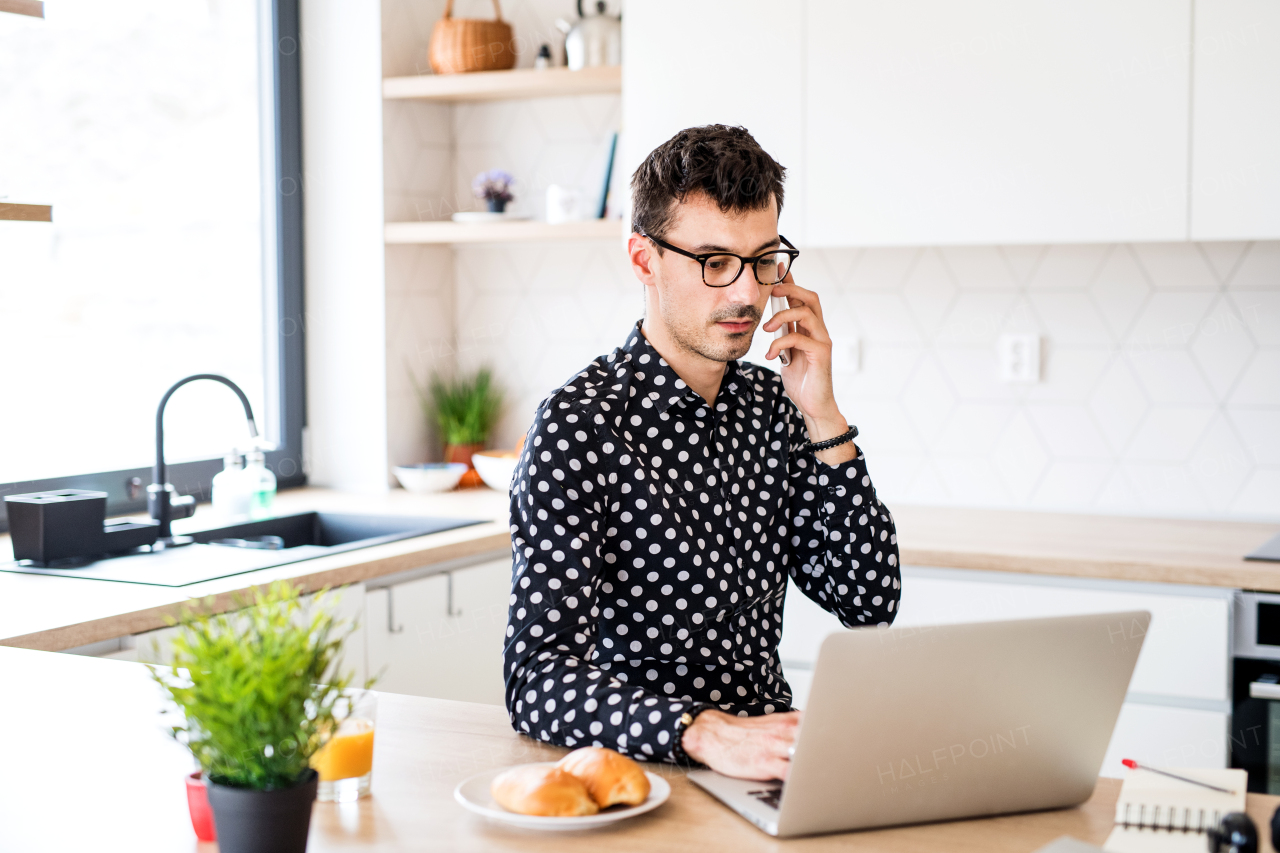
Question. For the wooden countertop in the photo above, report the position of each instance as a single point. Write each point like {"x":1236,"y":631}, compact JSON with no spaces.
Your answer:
{"x":54,"y":613}
{"x":1204,"y":553}
{"x":93,"y":770}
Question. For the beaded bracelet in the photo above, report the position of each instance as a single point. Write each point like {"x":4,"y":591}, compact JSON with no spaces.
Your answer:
{"x":686,"y":720}
{"x":832,"y":442}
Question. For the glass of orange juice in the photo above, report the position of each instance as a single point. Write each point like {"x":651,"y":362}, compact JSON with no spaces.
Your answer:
{"x":345,"y":762}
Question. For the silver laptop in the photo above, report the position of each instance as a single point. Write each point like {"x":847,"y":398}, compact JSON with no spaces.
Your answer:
{"x":908,"y":725}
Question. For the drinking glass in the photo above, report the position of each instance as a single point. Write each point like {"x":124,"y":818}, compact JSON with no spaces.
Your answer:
{"x":345,"y":762}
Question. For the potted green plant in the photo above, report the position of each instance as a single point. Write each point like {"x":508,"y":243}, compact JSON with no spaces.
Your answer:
{"x":465,"y":409}
{"x":260,"y":689}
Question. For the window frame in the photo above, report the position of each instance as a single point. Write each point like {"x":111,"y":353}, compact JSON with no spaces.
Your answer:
{"x":286,"y":363}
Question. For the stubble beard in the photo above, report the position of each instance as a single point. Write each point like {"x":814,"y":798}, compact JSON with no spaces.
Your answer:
{"x":705,"y":339}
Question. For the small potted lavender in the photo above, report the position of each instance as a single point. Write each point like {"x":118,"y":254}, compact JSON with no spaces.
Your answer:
{"x":494,"y":186}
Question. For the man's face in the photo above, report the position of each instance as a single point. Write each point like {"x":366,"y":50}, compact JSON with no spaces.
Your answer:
{"x":714,"y":322}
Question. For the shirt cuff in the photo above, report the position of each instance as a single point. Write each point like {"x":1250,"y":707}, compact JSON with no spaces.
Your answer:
{"x":846,"y":488}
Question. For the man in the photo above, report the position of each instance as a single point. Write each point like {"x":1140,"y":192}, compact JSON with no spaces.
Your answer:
{"x":667,"y":492}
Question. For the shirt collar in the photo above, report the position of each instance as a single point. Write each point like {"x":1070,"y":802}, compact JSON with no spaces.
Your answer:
{"x":656,"y":379}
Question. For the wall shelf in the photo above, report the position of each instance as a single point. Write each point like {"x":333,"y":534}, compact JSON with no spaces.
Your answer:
{"x":498,"y":85}
{"x":26,"y":212}
{"x":502,"y":232}
{"x":33,"y":8}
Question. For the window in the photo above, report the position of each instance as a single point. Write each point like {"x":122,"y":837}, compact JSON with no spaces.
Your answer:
{"x":166,"y":136}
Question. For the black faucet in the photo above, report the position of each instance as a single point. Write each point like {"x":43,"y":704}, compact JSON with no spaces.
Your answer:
{"x":163,"y":501}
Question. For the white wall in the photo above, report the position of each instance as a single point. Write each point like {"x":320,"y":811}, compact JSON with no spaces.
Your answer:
{"x":345,"y":303}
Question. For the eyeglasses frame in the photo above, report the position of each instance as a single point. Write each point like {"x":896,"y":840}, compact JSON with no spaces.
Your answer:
{"x":791,"y":251}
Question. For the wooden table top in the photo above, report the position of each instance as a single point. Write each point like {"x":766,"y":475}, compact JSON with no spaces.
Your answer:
{"x":88,"y":767}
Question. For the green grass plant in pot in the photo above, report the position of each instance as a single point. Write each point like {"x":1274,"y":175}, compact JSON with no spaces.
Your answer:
{"x":260,"y":689}
{"x":465,"y":410}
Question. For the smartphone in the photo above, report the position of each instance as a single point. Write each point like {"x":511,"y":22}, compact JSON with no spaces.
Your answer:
{"x":776,"y":304}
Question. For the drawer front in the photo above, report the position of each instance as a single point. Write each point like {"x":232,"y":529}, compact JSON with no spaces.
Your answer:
{"x":1186,"y":652}
{"x":447,"y":637}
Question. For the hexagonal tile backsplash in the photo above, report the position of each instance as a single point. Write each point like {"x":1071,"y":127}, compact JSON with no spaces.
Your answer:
{"x":1169,"y":406}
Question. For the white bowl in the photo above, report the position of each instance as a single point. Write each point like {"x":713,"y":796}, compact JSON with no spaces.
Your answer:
{"x":496,"y":471}
{"x":431,"y":476}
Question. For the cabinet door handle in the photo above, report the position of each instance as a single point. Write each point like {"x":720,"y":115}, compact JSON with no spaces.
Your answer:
{"x":391,"y":612}
{"x":450,"y":610}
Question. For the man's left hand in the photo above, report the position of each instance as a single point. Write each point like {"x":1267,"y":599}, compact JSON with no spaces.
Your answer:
{"x":808,"y":377}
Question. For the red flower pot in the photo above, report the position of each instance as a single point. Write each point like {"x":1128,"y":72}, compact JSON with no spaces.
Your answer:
{"x":198,"y":803}
{"x":462,"y":453}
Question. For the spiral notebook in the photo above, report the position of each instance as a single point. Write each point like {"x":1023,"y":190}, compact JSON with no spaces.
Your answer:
{"x":1156,"y":814}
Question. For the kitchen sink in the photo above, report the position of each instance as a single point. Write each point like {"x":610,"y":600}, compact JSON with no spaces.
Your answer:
{"x":248,"y":547}
{"x":332,"y":530}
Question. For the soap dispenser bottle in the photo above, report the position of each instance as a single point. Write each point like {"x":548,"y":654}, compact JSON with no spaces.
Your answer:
{"x":230,"y":496}
{"x":259,"y":483}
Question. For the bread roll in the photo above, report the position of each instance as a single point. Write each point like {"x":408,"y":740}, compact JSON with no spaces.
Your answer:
{"x":546,"y":791}
{"x":610,"y":777}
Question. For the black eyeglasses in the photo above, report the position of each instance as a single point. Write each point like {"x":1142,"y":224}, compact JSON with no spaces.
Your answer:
{"x":721,"y":269}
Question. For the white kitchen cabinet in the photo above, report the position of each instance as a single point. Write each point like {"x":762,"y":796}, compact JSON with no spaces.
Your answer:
{"x":1235,"y":165}
{"x":1155,"y":734}
{"x":1186,"y":653}
{"x":996,"y":121}
{"x":1178,"y":698}
{"x":1168,"y":736}
{"x":695,"y":62}
{"x":441,"y":635}
{"x":347,"y":603}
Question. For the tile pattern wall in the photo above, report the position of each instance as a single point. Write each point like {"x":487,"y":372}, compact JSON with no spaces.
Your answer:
{"x":530,"y":311}
{"x":1160,"y":390}
{"x":538,"y":313}
{"x":544,"y":141}
{"x":1161,"y":375}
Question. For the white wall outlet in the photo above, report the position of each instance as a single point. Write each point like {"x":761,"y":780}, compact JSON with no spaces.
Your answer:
{"x":846,"y":355}
{"x":1019,"y":358}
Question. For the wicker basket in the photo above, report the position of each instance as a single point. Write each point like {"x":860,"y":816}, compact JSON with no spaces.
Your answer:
{"x":459,"y":45}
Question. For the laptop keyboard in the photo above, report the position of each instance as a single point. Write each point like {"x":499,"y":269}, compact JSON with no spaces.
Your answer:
{"x":769,"y":796}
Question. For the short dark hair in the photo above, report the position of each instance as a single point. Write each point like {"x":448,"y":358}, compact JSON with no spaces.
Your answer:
{"x":724,"y":162}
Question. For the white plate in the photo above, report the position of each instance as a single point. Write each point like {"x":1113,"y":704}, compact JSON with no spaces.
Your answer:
{"x":474,"y":795}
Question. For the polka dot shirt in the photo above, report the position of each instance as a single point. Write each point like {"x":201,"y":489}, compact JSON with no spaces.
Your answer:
{"x":653,"y":537}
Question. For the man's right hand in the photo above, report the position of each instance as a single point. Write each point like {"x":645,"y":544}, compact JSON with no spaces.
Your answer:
{"x":756,"y":748}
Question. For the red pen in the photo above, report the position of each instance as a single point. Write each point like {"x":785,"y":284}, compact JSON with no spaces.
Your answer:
{"x":1133,"y":765}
